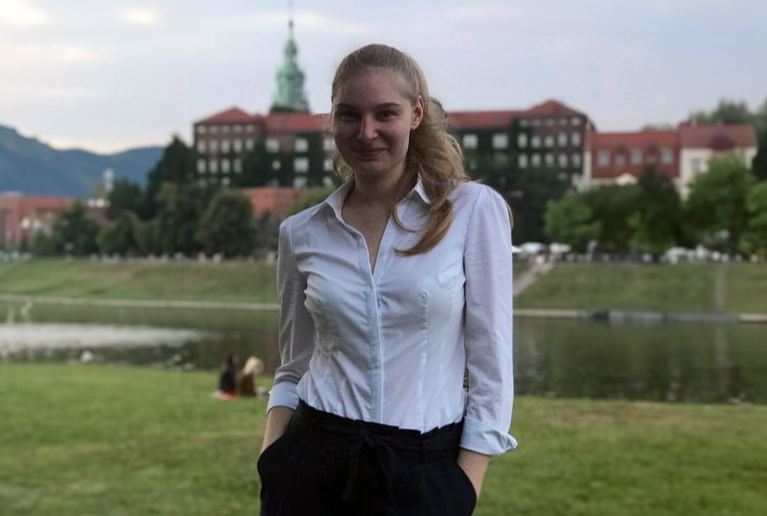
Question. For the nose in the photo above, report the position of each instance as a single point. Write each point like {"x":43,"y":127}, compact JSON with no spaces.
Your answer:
{"x":367,"y":130}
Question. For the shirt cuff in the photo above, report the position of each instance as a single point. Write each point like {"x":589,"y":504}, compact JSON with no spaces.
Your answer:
{"x":481,"y":438}
{"x":283,"y":394}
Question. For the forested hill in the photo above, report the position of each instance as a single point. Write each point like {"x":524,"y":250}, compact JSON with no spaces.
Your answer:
{"x":32,"y":167}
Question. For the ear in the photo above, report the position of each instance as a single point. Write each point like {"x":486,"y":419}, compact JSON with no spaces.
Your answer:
{"x":417,"y":113}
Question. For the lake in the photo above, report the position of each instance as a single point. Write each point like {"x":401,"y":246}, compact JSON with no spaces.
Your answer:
{"x":696,"y":362}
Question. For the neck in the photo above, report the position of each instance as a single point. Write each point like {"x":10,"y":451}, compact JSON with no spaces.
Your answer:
{"x":376,"y":190}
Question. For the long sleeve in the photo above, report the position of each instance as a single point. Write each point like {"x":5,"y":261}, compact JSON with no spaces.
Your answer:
{"x":489,"y":326}
{"x":296,"y":338}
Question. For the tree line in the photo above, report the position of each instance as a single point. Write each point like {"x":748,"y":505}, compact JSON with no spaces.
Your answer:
{"x":174,"y":214}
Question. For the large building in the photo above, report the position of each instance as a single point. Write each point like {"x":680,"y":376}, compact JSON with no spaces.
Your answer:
{"x":681,"y":154}
{"x":21,"y":216}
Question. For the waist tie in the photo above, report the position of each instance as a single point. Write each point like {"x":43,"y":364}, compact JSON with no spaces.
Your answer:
{"x":386,"y":445}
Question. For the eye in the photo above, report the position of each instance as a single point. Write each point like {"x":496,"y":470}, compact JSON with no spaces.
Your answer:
{"x":347,"y":116}
{"x":386,"y":114}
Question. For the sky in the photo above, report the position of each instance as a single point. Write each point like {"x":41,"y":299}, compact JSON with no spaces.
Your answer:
{"x":111,"y":75}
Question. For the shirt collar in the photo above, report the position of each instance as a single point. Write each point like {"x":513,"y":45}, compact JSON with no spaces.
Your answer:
{"x":335,"y":200}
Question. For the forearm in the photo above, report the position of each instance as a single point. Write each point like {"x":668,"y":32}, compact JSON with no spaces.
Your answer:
{"x":277,"y":420}
{"x":475,"y":466}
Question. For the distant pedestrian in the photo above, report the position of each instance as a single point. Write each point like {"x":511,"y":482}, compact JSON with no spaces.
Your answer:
{"x":227,"y":382}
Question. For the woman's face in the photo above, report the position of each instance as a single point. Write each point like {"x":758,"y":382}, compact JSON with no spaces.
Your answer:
{"x":372,"y":120}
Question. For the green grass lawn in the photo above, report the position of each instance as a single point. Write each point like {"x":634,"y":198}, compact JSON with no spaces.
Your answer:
{"x":96,"y":440}
{"x":682,"y":288}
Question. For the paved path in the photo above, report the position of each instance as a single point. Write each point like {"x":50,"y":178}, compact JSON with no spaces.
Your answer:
{"x":530,"y":276}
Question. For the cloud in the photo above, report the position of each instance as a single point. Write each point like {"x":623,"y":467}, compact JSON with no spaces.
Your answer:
{"x":143,"y":17}
{"x":23,"y":14}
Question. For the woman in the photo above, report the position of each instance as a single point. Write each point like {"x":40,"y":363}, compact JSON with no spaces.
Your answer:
{"x":390,"y":290}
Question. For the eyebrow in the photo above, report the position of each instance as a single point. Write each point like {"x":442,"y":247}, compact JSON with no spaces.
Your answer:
{"x":385,"y":105}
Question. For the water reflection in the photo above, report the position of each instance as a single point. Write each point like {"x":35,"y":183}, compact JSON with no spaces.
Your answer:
{"x":665,"y":362}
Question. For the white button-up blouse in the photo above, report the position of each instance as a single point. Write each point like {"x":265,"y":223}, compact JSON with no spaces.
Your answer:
{"x":391,"y":345}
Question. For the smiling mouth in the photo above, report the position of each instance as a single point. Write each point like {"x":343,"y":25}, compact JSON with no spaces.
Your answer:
{"x":369,"y":154}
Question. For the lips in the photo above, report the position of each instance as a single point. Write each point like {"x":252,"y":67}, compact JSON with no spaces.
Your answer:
{"x":368,"y":154}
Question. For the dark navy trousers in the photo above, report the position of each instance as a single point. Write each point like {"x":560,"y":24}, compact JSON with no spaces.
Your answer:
{"x":326,"y":465}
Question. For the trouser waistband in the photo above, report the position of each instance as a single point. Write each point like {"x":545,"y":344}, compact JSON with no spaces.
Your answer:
{"x":375,"y":448}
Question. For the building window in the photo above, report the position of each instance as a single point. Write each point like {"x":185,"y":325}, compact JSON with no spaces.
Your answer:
{"x":327,"y":165}
{"x":620,"y":160}
{"x":549,"y":141}
{"x":470,"y":141}
{"x":536,"y":122}
{"x":272,"y":145}
{"x":201,"y":166}
{"x":550,"y":122}
{"x":213,"y":166}
{"x":213,"y":129}
{"x":301,"y":165}
{"x":563,"y":121}
{"x":225,"y":146}
{"x":237,"y":166}
{"x":201,"y":146}
{"x":575,"y":121}
{"x":500,"y":141}
{"x":237,"y":128}
{"x":562,"y":140}
{"x":213,"y":146}
{"x":575,"y":139}
{"x":225,"y":129}
{"x":603,"y":158}
{"x":201,"y":129}
{"x":523,"y":123}
{"x":249,"y":128}
{"x":697,"y":166}
{"x":225,"y":181}
{"x":225,"y":166}
{"x":301,"y":145}
{"x":563,"y":160}
{"x":522,"y":160}
{"x":536,"y":160}
{"x":636,"y":156}
{"x":249,"y":144}
{"x":329,"y":144}
{"x":522,"y":140}
{"x":576,"y":159}
{"x":299,"y":182}
{"x":549,"y":159}
{"x":535,"y":141}
{"x":666,"y":155}
{"x":237,"y":145}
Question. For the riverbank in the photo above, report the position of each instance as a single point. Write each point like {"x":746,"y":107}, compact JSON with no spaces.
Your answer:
{"x":736,"y":288}
{"x":86,"y":440}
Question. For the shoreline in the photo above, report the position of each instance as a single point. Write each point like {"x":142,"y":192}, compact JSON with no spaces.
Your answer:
{"x":607,"y":315}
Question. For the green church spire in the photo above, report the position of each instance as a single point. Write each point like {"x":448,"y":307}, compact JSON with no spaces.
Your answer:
{"x":290,"y":79}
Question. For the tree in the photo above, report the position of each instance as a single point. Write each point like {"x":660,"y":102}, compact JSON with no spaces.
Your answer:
{"x":175,"y":228}
{"x":125,"y":196}
{"x":755,"y":238}
{"x":528,"y":192}
{"x":656,"y":223}
{"x":120,"y":237}
{"x":759,"y":163}
{"x":613,"y":206}
{"x":716,"y":206}
{"x":74,"y":231}
{"x":312,"y":197}
{"x":727,"y":112}
{"x":569,"y":220}
{"x":176,"y":166}
{"x":258,"y":168}
{"x":227,"y":225}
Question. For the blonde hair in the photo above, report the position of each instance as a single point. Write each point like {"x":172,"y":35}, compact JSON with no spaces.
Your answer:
{"x":433,"y":154}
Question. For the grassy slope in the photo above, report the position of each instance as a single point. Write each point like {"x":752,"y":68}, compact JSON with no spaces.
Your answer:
{"x":683,"y":287}
{"x":229,"y":281}
{"x":80,"y":440}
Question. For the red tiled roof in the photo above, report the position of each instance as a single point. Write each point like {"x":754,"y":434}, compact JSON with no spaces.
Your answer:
{"x":481,"y":119}
{"x":621,"y":144}
{"x":274,"y":201}
{"x":295,"y":122}
{"x":232,"y":115}
{"x":552,"y":107}
{"x":717,"y":137}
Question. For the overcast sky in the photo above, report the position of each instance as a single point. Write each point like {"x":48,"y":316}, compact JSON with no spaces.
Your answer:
{"x":107,"y":75}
